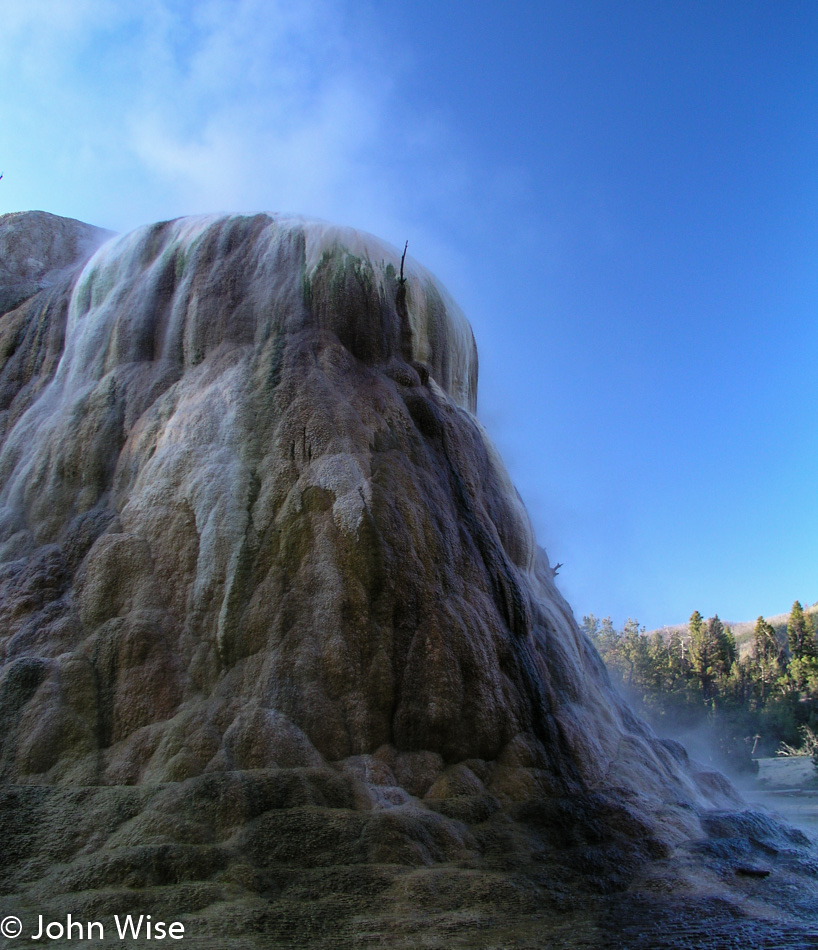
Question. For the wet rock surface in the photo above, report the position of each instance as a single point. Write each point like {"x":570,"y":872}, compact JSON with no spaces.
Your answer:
{"x":290,"y":858}
{"x":280,"y":655}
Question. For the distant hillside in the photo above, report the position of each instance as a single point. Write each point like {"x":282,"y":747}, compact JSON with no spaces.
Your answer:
{"x":743,"y":630}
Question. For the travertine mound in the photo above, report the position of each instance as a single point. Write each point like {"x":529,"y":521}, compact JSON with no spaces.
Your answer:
{"x":247,"y":518}
{"x":259,"y":558}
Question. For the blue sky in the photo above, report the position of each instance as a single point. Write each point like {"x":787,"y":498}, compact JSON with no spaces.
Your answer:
{"x":623,"y":197}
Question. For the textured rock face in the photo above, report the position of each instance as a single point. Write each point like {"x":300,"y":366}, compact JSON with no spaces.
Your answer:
{"x":38,"y":249}
{"x":250,"y":526}
{"x":248,"y":519}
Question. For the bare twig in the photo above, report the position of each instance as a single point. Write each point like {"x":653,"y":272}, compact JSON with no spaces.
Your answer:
{"x":402,"y":279}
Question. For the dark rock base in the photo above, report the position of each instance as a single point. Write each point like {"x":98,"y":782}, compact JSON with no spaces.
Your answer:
{"x":292,"y":858}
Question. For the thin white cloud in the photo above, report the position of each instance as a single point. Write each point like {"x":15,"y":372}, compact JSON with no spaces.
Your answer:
{"x":125,"y":111}
{"x":196,"y":106}
{"x":287,"y":142}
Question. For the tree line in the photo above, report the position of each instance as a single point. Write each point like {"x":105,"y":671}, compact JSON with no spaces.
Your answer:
{"x":696,"y":683}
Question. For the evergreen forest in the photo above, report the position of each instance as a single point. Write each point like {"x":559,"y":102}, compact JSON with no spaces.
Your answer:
{"x":730,"y":702}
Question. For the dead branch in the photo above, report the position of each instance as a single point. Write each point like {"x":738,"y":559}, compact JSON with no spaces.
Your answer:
{"x":402,"y":279}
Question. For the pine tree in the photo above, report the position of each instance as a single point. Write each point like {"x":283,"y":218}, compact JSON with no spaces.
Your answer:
{"x":702,"y":652}
{"x":590,"y":624}
{"x":729,"y":648}
{"x":634,"y":651}
{"x":722,"y":645}
{"x":660,"y":672}
{"x":764,"y":653}
{"x":677,"y":657}
{"x":800,"y":635}
{"x":608,"y":636}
